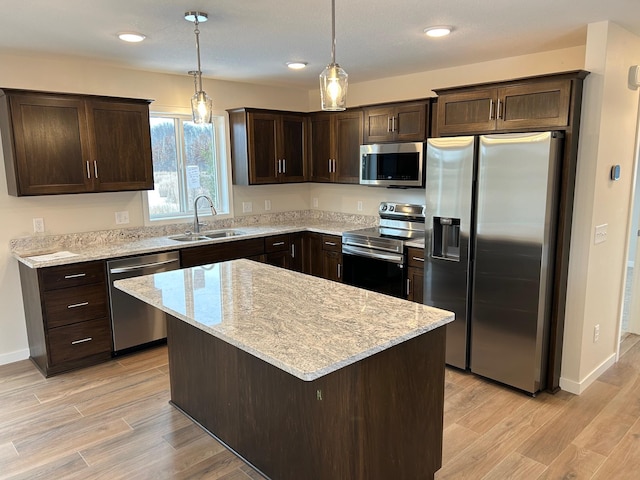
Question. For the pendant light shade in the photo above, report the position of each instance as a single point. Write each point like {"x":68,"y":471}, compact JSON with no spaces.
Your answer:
{"x":201,"y":103}
{"x":333,"y":79}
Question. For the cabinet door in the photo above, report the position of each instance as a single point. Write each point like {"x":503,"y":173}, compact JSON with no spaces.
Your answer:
{"x":297,"y":252}
{"x":121,"y":146}
{"x":415,"y":284}
{"x":292,"y":144}
{"x":535,"y":105}
{"x":467,"y":112}
{"x":279,"y":259}
{"x":410,"y":123}
{"x":51,"y":146}
{"x":263,"y":158}
{"x":347,"y":137}
{"x":332,"y":265}
{"x":378,"y":125}
{"x":320,"y":147}
{"x":313,"y":264}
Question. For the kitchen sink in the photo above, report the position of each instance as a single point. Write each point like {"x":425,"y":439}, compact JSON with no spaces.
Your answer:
{"x":210,"y":235}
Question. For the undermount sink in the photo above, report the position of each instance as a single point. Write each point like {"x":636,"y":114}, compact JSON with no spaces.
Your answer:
{"x":211,"y":235}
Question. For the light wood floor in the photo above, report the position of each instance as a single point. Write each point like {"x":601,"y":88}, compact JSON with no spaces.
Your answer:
{"x":113,"y":421}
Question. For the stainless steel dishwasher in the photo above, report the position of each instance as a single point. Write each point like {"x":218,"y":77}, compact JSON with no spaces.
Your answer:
{"x":135,"y":323}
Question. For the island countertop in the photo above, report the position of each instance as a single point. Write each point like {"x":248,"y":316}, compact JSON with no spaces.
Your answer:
{"x":304,"y":325}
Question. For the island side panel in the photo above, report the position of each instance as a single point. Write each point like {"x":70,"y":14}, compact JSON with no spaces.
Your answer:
{"x":378,"y":418}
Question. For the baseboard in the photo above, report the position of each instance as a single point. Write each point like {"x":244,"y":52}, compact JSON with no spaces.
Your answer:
{"x":14,"y":356}
{"x":577,"y":388}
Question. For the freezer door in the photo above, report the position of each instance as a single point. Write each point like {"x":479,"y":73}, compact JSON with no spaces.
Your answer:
{"x":515,"y":230}
{"x":449,"y":193}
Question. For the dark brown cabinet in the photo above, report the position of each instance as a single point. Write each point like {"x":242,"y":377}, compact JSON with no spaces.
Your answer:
{"x":529,"y":104}
{"x":67,"y":314}
{"x":267,"y":146}
{"x":415,"y":274}
{"x":332,"y":257}
{"x":220,"y":252}
{"x":278,"y":250}
{"x":334,"y":146}
{"x":312,"y":257}
{"x":402,"y":122}
{"x":60,"y":143}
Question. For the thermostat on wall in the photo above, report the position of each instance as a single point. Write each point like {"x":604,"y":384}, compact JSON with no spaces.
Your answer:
{"x":615,"y":172}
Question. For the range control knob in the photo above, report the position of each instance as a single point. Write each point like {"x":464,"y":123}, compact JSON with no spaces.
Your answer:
{"x":391,"y":208}
{"x":383,"y":207}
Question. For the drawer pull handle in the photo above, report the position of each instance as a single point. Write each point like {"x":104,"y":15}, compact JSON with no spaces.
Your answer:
{"x":277,"y":244}
{"x":75,"y":305}
{"x":331,"y":244}
{"x":76,"y":275}
{"x":418,"y":259}
{"x":75,"y":342}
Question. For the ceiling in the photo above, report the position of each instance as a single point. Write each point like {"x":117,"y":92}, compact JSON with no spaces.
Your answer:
{"x":251,"y":40}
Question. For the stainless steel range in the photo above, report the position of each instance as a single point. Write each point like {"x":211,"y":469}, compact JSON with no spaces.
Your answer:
{"x":373,"y":258}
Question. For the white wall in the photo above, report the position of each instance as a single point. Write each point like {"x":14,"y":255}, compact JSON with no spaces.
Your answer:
{"x":596,"y":272}
{"x":69,"y":213}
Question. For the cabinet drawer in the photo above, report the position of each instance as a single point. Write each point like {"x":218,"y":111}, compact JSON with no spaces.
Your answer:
{"x":72,"y":275}
{"x":277,"y":243}
{"x":331,"y":243}
{"x":79,"y":340}
{"x":415,"y":257}
{"x":72,"y":305}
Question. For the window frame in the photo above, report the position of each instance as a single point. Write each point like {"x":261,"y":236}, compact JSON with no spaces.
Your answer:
{"x":223,"y":154}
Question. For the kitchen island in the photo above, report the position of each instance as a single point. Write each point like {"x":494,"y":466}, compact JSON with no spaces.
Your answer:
{"x":302,"y":377}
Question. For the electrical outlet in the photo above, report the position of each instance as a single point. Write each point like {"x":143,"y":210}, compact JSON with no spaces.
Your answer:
{"x":359,"y":205}
{"x":247,"y":207}
{"x":601,"y":233}
{"x":267,"y":205}
{"x":122,"y":217}
{"x":38,"y":225}
{"x":315,"y":202}
{"x":596,"y":333}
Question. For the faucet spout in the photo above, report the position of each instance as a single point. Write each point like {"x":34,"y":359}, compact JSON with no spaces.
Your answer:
{"x":196,"y":222}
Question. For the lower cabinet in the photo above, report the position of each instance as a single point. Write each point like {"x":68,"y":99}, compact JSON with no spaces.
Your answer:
{"x":220,"y":252}
{"x":278,"y":250}
{"x":67,"y":315}
{"x":415,"y":274}
{"x":332,"y":257}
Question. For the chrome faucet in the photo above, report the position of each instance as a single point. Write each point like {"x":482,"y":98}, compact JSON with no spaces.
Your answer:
{"x":196,"y":222}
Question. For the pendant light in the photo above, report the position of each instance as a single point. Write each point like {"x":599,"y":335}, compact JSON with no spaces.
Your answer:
{"x":333,"y":79}
{"x":201,"y":103}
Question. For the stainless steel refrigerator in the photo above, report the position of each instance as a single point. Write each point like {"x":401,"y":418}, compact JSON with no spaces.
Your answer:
{"x":491,"y":207}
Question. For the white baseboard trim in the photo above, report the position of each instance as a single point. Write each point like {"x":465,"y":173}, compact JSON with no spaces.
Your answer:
{"x":16,"y":356}
{"x":577,"y":388}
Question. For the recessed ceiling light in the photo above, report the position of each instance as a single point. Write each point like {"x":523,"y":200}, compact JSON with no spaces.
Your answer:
{"x":296,"y":65}
{"x":440,"y":31}
{"x":131,"y":37}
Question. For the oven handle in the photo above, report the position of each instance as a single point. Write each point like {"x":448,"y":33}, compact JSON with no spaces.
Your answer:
{"x":366,"y":252}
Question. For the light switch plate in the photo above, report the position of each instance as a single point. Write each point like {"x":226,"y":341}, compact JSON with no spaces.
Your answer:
{"x":38,"y":225}
{"x":601,"y":233}
{"x":122,"y":217}
{"x":247,"y":207}
{"x":267,"y":205}
{"x":315,"y":202}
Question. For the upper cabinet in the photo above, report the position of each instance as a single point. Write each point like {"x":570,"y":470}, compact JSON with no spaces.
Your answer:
{"x":334,"y":146}
{"x":267,"y":146}
{"x":519,"y":105}
{"x":400,"y":122}
{"x":60,"y":143}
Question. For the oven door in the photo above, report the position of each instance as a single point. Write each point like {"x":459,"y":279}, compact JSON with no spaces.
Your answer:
{"x":374,"y":270}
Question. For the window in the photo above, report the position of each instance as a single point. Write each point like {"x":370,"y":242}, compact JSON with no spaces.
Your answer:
{"x":189,"y":159}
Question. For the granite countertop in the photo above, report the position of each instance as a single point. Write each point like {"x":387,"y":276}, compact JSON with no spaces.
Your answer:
{"x":102,"y":245}
{"x":304,"y":325}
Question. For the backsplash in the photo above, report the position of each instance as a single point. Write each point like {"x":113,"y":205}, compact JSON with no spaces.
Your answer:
{"x":45,"y":243}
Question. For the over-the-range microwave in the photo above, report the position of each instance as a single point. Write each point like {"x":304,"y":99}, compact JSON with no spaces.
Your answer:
{"x":392,"y":164}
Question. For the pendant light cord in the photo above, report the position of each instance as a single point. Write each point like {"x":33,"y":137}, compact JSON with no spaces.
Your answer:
{"x":197,"y":32}
{"x":333,"y":31}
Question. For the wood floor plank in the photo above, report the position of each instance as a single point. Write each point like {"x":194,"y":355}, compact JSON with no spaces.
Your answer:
{"x":502,"y":404}
{"x":36,"y":420}
{"x":471,"y":398}
{"x":624,"y":461}
{"x":573,"y":463}
{"x":455,"y":439}
{"x":548,"y":442}
{"x":18,"y":375}
{"x":515,"y":467}
{"x":57,"y":469}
